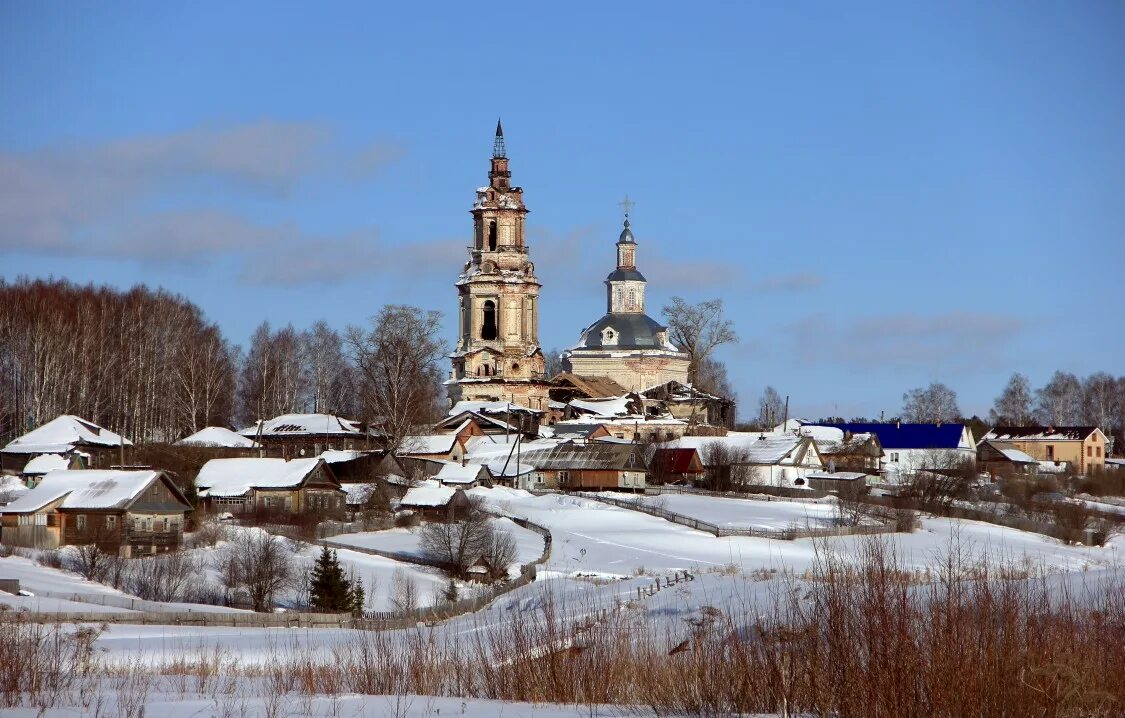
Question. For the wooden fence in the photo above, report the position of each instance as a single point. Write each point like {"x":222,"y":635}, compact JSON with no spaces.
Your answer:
{"x":378,"y":621}
{"x":786,"y":534}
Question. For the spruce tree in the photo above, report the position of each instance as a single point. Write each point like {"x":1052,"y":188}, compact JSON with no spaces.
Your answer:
{"x":357,"y":596}
{"x":328,"y":589}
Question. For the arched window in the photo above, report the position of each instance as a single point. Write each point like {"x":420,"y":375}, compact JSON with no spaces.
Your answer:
{"x":488,"y":329}
{"x":492,"y":235}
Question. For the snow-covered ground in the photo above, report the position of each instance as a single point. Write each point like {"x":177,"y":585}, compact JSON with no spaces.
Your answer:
{"x":591,"y":537}
{"x":741,"y":513}
{"x":407,"y":542}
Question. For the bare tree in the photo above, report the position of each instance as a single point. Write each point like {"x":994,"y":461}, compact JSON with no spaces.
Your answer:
{"x":698,"y":329}
{"x":258,"y":563}
{"x":172,"y":576}
{"x":939,"y":477}
{"x":1059,"y":403}
{"x":1014,"y":405}
{"x":1099,"y":394}
{"x":711,"y":377}
{"x":553,"y":362}
{"x":457,"y":544}
{"x":330,"y":386}
{"x":726,"y":464}
{"x":770,"y":407}
{"x":398,"y":361}
{"x":501,"y":552}
{"x":404,"y":592}
{"x":933,"y":404}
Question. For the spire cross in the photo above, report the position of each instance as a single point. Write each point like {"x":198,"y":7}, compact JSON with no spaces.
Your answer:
{"x":626,"y":204}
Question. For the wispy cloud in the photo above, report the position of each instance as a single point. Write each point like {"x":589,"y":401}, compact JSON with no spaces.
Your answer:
{"x":952,"y":340}
{"x":60,"y":199}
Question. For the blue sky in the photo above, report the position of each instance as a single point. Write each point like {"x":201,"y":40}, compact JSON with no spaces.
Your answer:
{"x":883,"y":195}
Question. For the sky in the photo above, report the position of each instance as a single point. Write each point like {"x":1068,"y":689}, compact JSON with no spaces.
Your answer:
{"x":883,"y":195}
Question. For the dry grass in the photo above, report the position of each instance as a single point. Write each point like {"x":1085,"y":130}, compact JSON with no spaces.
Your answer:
{"x":865,"y":638}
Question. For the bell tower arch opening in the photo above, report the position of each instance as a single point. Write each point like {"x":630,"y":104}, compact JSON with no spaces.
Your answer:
{"x":488,"y":330}
{"x":492,"y":235}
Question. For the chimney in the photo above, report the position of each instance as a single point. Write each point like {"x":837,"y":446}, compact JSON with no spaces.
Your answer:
{"x":898,"y":424}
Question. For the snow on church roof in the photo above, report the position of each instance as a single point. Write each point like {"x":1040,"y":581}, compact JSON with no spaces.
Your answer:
{"x":63,"y":434}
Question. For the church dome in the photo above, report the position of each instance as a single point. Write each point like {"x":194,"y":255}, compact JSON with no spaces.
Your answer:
{"x":626,"y":234}
{"x":624,"y":331}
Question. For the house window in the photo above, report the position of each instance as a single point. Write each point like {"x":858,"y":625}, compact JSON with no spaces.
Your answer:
{"x":165,"y":523}
{"x":894,"y":456}
{"x":1089,"y":451}
{"x":80,"y":522}
{"x":1099,"y":452}
{"x":111,"y":522}
{"x":1050,"y":452}
{"x":488,"y":329}
{"x":564,"y":477}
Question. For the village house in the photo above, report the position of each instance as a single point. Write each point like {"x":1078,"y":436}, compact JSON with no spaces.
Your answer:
{"x":129,"y":513}
{"x":355,"y":466}
{"x":1082,"y":448}
{"x":309,"y":434}
{"x":744,"y":458}
{"x":43,"y":464}
{"x":464,"y":476}
{"x":676,"y":466}
{"x":434,"y":502}
{"x":840,"y":483}
{"x":908,"y":448}
{"x":596,"y":466}
{"x":842,"y":450}
{"x":1000,"y":459}
{"x":247,"y":485}
{"x":63,"y":436}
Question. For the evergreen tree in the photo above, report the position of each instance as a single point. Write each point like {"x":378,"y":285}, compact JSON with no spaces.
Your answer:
{"x":328,"y":589}
{"x":357,"y":597}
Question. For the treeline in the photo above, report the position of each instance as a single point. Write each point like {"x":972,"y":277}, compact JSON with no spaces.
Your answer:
{"x":147,"y":364}
{"x":142,"y":362}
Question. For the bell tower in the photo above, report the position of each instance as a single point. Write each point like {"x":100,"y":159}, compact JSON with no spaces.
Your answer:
{"x":497,"y":355}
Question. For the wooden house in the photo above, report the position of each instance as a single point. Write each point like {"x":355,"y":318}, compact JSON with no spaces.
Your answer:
{"x":675,"y":466}
{"x":247,"y":485}
{"x":434,"y":502}
{"x":464,"y":476}
{"x":306,"y":435}
{"x":597,"y":466}
{"x":1000,"y":459}
{"x":64,"y":436}
{"x":130,"y":513}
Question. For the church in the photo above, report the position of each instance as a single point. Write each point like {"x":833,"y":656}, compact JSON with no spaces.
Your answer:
{"x":497,"y":357}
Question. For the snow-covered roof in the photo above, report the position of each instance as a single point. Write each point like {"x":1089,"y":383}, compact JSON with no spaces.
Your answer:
{"x":821,"y":433}
{"x":63,"y":434}
{"x":218,"y":436}
{"x":335,"y":456}
{"x":490,"y":407}
{"x":46,"y":462}
{"x":84,"y":490}
{"x":507,"y":468}
{"x":358,"y":494}
{"x":481,"y":449}
{"x":1018,"y":456}
{"x":616,"y":407}
{"x":428,"y":444}
{"x":428,"y":496}
{"x":758,"y":448}
{"x":235,"y":477}
{"x":1041,"y":433}
{"x":453,"y":473}
{"x":305,"y":425}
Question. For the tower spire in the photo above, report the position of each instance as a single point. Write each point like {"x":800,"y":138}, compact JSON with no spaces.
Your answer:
{"x":498,"y":149}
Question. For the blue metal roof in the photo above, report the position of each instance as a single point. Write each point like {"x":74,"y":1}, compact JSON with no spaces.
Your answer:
{"x":908,"y":436}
